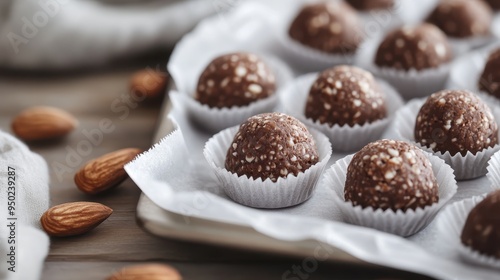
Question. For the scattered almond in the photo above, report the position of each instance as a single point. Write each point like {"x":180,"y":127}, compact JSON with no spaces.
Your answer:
{"x":105,"y":172}
{"x":147,"y":271}
{"x":43,"y":123}
{"x":148,"y":83}
{"x":74,"y":218}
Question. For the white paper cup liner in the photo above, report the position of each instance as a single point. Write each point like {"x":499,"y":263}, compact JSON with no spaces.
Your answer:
{"x":410,"y":84}
{"x":303,"y":57}
{"x":343,"y":138}
{"x":216,"y":119}
{"x":494,"y":171}
{"x":466,"y":167}
{"x":462,"y":46}
{"x":450,"y":223}
{"x":398,"y":223}
{"x":285,"y":192}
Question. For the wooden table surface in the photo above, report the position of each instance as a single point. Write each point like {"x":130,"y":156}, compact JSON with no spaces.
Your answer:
{"x":119,"y":241}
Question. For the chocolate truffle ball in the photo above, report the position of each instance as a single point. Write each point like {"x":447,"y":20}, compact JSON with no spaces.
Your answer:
{"x":330,"y":27}
{"x":235,"y":79}
{"x":345,"y":95}
{"x":271,"y":145}
{"x":494,"y":4}
{"x":456,"y":121}
{"x":462,"y":18}
{"x":490,"y":78}
{"x":420,"y":47}
{"x":389,"y":174}
{"x":366,"y":5}
{"x":482,"y":228}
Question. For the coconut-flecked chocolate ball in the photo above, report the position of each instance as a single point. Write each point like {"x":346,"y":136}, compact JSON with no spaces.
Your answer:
{"x":389,"y":174}
{"x":235,"y":79}
{"x":271,"y":145}
{"x":331,"y":27}
{"x":345,"y":95}
{"x":482,"y":228}
{"x":489,"y":81}
{"x":462,"y":18}
{"x":366,"y":5}
{"x":456,"y":121}
{"x":414,"y":47}
{"x":494,"y":4}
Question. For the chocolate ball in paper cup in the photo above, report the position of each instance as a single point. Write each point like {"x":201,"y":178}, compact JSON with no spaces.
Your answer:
{"x":453,"y":125}
{"x":391,"y":186}
{"x":271,"y":161}
{"x":232,"y":88}
{"x":468,"y":24}
{"x":477,"y":72}
{"x":414,"y":59}
{"x":346,"y":103}
{"x":472,"y":229}
{"x":317,"y":35}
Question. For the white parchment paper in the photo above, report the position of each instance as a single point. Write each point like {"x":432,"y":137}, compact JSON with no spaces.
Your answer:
{"x":176,"y":177}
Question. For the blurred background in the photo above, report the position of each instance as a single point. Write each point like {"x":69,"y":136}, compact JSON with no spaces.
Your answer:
{"x":89,"y":57}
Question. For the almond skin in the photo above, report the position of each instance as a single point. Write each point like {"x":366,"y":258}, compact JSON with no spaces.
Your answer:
{"x":104,"y":172}
{"x":43,"y":123}
{"x":146,"y":271}
{"x":74,"y":218}
{"x":149,"y":83}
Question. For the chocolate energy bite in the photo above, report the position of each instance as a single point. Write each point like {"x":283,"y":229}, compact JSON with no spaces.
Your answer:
{"x":482,"y":227}
{"x":414,"y":47}
{"x":456,"y":121}
{"x":389,"y":174}
{"x":489,"y":81}
{"x":345,"y":95}
{"x":271,"y":145}
{"x":235,"y":79}
{"x":328,"y":26}
{"x":462,"y":18}
{"x":366,"y":5}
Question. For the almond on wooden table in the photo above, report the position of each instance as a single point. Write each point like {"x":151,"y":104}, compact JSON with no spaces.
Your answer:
{"x":74,"y":218}
{"x":104,"y":172}
{"x":149,"y":83}
{"x":146,"y":271}
{"x":43,"y":123}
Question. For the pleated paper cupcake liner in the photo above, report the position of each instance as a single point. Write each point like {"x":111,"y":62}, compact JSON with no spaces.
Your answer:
{"x":410,"y":84}
{"x":462,"y":46}
{"x":494,"y":171}
{"x":343,"y":138}
{"x":466,"y":167}
{"x":285,"y":192}
{"x":399,"y":222}
{"x":215,"y":119}
{"x":450,"y":224}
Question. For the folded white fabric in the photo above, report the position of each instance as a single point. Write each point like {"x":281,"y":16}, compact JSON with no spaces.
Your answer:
{"x":41,"y":34}
{"x":24,"y":196}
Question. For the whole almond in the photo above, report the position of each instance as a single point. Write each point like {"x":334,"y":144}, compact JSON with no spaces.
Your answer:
{"x":147,"y":271}
{"x":104,"y":172}
{"x":74,"y":218}
{"x":148,"y":83}
{"x":43,"y":123}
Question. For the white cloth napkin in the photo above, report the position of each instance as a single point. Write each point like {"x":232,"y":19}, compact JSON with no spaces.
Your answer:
{"x":31,"y":200}
{"x":42,"y":34}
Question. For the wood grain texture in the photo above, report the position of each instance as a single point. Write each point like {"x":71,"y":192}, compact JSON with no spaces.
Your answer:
{"x":119,"y":241}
